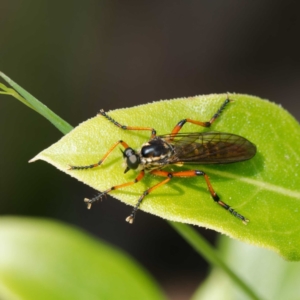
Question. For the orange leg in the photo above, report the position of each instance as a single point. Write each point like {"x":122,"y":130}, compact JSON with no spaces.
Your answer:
{"x":125,"y":145}
{"x":180,"y":124}
{"x":130,"y":218}
{"x":104,"y":114}
{"x":116,"y":187}
{"x":188,"y":173}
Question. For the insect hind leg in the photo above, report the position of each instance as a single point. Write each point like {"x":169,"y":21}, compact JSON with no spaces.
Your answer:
{"x":217,"y":199}
{"x":193,"y":173}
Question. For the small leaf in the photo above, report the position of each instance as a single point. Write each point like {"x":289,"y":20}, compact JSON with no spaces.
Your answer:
{"x":265,"y":189}
{"x":42,"y":259}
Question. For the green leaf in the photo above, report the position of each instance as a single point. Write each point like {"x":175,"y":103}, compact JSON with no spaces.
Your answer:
{"x":17,"y":92}
{"x":41,"y":259}
{"x":269,"y":275}
{"x":264,"y":189}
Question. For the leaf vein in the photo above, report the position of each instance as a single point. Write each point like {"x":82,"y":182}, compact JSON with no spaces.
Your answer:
{"x":258,"y":183}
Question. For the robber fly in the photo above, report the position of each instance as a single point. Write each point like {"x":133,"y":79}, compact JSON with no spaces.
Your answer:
{"x":177,"y":149}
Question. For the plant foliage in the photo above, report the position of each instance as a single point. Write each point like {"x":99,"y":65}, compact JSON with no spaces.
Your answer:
{"x":264,"y":189}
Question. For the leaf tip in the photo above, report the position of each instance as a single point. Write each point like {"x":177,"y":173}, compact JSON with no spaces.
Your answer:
{"x":33,"y":159}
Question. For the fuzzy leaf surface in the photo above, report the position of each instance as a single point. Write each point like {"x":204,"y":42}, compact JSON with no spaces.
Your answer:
{"x":265,"y":189}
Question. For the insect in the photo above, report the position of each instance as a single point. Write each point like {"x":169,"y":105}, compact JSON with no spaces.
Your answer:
{"x":177,"y":149}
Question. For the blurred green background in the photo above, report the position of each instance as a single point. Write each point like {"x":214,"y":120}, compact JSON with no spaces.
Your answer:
{"x":79,"y":56}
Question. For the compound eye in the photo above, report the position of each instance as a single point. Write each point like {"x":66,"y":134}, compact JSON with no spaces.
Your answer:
{"x":133,"y":161}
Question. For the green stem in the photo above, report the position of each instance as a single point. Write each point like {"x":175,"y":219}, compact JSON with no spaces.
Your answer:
{"x":22,"y":95}
{"x":187,"y":232}
{"x":209,"y":253}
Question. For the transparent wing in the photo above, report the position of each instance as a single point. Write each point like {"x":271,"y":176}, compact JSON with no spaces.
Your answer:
{"x":209,"y":147}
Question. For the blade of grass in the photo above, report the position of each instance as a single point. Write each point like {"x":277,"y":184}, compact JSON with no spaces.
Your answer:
{"x":11,"y":92}
{"x":34,"y":104}
{"x":188,"y":233}
{"x":208,"y":252}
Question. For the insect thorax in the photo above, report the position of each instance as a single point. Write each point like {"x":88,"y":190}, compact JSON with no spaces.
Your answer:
{"x":155,"y":153}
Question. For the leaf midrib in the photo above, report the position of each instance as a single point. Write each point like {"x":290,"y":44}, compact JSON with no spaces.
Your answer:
{"x":258,"y":183}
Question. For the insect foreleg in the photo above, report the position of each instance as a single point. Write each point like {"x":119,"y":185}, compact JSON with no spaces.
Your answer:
{"x":125,"y":145}
{"x":125,"y":127}
{"x":180,"y":124}
{"x":116,"y":187}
